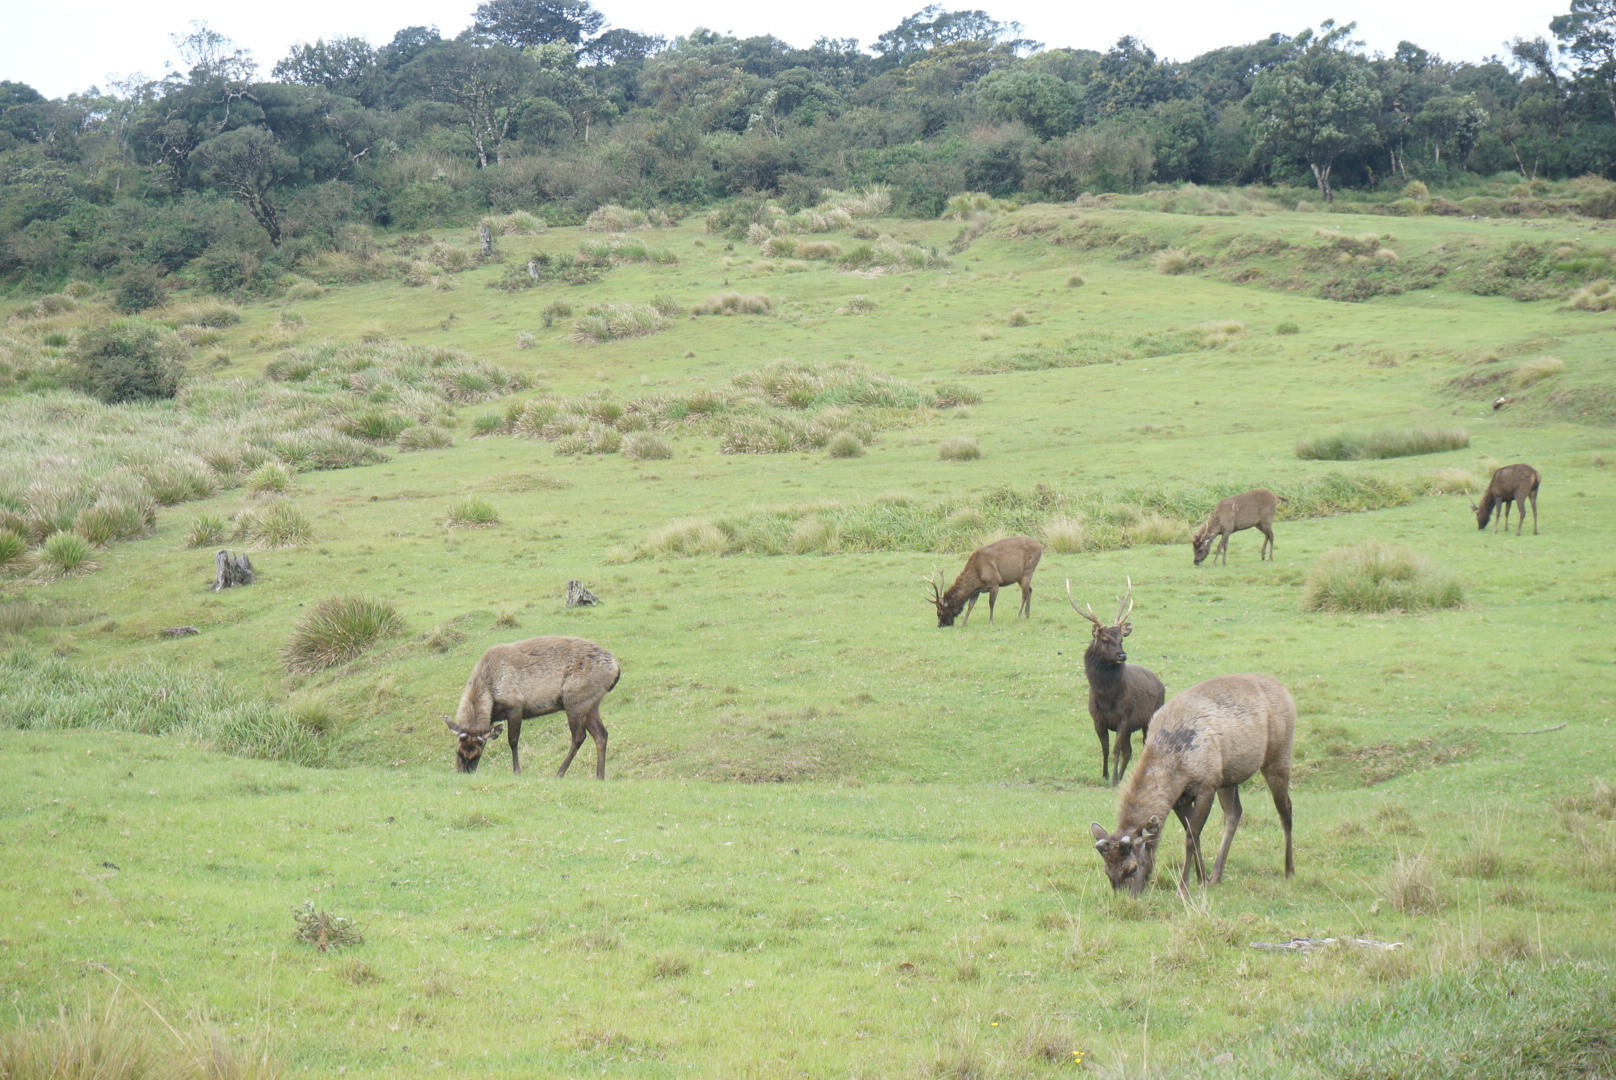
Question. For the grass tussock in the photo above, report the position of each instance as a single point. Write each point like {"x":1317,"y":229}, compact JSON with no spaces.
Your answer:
{"x":472,"y":512}
{"x":1173,"y":260}
{"x":271,"y":478}
{"x":1385,"y":443}
{"x":199,"y":708}
{"x":1595,"y":296}
{"x":612,"y":218}
{"x":734,"y":303}
{"x":425,"y":437}
{"x":274,"y":524}
{"x":1535,"y":370}
{"x":1376,"y":577}
{"x":324,"y":929}
{"x":114,"y":1043}
{"x":844,"y":444}
{"x":1413,"y":888}
{"x":959,"y":448}
{"x":644,"y":446}
{"x":613,"y":322}
{"x":65,"y":554}
{"x":337,"y":630}
{"x":206,"y":530}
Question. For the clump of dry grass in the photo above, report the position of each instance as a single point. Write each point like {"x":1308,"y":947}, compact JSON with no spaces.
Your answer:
{"x":64,"y":554}
{"x":111,"y":1044}
{"x":734,"y":303}
{"x":324,"y":930}
{"x":1018,"y":317}
{"x":425,"y":437}
{"x":611,"y":322}
{"x":206,"y":530}
{"x":844,"y":444}
{"x":1412,"y":886}
{"x":1173,"y":260}
{"x":336,"y":630}
{"x":1218,"y":332}
{"x":959,"y":448}
{"x":1378,"y":577}
{"x":857,"y":305}
{"x":1533,"y":370}
{"x":1066,"y":535}
{"x":1594,"y":296}
{"x":1452,"y":481}
{"x":613,"y":218}
{"x":688,"y":536}
{"x":1156,"y":528}
{"x":644,"y":446}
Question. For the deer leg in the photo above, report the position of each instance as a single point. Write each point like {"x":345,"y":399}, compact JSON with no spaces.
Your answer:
{"x":1105,"y":747}
{"x":970,"y":606}
{"x":1026,"y":598}
{"x":1279,"y":785}
{"x":993,"y":598}
{"x":1520,"y":517}
{"x":578,"y":733}
{"x":513,"y":734}
{"x":1534,"y":514}
{"x":1229,"y":797}
{"x":1124,"y":751}
{"x":1268,"y":544}
{"x":1192,"y":843}
{"x":598,"y":731}
{"x":1223,"y":548}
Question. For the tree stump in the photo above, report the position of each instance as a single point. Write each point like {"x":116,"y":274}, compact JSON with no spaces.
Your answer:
{"x":486,"y":235}
{"x":533,"y":269}
{"x":231,"y":570}
{"x":578,"y":596}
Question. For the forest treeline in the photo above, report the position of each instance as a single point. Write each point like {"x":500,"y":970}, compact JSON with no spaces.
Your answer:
{"x":232,"y":176}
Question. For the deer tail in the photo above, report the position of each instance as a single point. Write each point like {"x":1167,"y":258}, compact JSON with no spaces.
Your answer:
{"x":1281,"y":498}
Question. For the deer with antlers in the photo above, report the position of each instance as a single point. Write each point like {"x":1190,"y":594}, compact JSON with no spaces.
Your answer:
{"x":989,"y":569}
{"x":1122,"y":696}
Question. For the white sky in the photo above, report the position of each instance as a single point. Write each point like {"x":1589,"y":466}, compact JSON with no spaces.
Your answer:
{"x":59,"y":47}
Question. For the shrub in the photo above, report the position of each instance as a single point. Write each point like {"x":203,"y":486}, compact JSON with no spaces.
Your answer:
{"x":844,"y":445}
{"x":270,"y":478}
{"x":276,"y":524}
{"x":1416,"y":189}
{"x":521,"y":223}
{"x":473,"y":512}
{"x":137,"y":289}
{"x":1378,"y":577}
{"x":64,"y":554}
{"x":734,"y":303}
{"x":1075,"y":281}
{"x":1174,"y":260}
{"x":643,"y":446}
{"x":959,"y":448}
{"x":336,"y":631}
{"x":130,"y":359}
{"x":207,"y":530}
{"x":1533,"y":370}
{"x":424,"y":437}
{"x":1288,"y":328}
{"x":1385,"y":443}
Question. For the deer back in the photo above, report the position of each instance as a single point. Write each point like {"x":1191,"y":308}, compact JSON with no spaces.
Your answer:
{"x":536,"y":675}
{"x":1513,"y":482}
{"x":1247,"y":510}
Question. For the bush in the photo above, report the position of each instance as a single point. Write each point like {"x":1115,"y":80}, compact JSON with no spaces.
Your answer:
{"x":207,"y":530}
{"x":643,"y":446}
{"x":137,"y":289}
{"x":1378,"y":577}
{"x":959,"y":448}
{"x":130,"y":359}
{"x":473,"y":512}
{"x":304,"y":290}
{"x":844,"y":445}
{"x":271,"y":478}
{"x":1533,"y":370}
{"x":64,"y":554}
{"x":275,"y":524}
{"x":1075,"y":281}
{"x":336,"y":631}
{"x":1385,"y":443}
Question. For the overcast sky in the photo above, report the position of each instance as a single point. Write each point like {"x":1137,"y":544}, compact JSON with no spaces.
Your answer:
{"x":60,"y":47}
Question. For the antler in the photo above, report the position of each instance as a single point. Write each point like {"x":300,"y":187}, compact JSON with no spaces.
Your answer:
{"x":1125,"y":605}
{"x":1089,"y":614}
{"x":936,"y":590}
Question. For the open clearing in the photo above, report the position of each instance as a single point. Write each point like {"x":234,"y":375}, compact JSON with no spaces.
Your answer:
{"x":834,"y":839}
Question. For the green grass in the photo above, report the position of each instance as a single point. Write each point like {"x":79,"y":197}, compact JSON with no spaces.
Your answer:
{"x":1384,"y":443}
{"x":851,"y":843}
{"x":1377,"y":577}
{"x":337,"y":630}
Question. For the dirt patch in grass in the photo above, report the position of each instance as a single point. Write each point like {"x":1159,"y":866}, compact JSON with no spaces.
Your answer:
{"x":1343,"y":765}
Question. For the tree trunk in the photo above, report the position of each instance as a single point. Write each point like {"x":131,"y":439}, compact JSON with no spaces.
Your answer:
{"x":1321,"y":173}
{"x":231,"y":570}
{"x":578,"y":596}
{"x":486,"y":236}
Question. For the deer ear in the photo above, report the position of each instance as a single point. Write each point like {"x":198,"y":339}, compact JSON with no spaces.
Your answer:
{"x":1152,"y":830}
{"x":493,"y":732}
{"x":453,"y":728}
{"x":1098,"y":831}
{"x":1127,"y":628}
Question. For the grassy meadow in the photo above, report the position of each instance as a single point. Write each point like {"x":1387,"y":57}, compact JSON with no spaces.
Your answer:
{"x":835,"y":840}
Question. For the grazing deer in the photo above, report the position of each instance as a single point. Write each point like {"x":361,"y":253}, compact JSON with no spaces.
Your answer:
{"x":531,"y":678}
{"x":1206,"y":741}
{"x":1254,"y":508}
{"x":1122,"y":696}
{"x":990,"y":568}
{"x":1511,"y":484}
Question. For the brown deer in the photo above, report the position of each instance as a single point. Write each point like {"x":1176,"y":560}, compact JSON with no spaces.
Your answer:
{"x":1254,"y":508}
{"x":989,"y":569}
{"x":1122,"y":696}
{"x":1206,"y":741}
{"x":1511,"y":484}
{"x":536,"y":677}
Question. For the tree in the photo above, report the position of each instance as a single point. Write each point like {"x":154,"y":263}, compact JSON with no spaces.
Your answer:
{"x":1038,"y":100}
{"x":538,"y":22}
{"x":931,"y":27}
{"x":341,"y":65}
{"x":248,"y":165}
{"x":1455,"y":120}
{"x":1317,"y":107}
{"x":1588,"y":33}
{"x":483,"y":83}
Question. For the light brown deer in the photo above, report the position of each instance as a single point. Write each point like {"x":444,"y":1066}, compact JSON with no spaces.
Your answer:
{"x":1122,"y":696}
{"x":989,"y":569}
{"x":1511,"y":484}
{"x":1206,"y":741}
{"x":1254,"y":508}
{"x":536,"y":677}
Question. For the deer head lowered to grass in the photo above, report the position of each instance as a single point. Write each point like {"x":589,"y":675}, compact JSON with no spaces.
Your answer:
{"x":990,"y":568}
{"x":1254,"y":508}
{"x":1206,"y":741}
{"x":1511,"y":484}
{"x":536,"y":677}
{"x":1122,"y":696}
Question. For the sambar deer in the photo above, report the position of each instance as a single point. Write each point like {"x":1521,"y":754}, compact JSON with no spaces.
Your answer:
{"x":990,"y":568}
{"x":1122,"y":696}
{"x":1251,"y":509}
{"x":536,"y":677}
{"x":1206,"y":741}
{"x":1511,"y":484}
